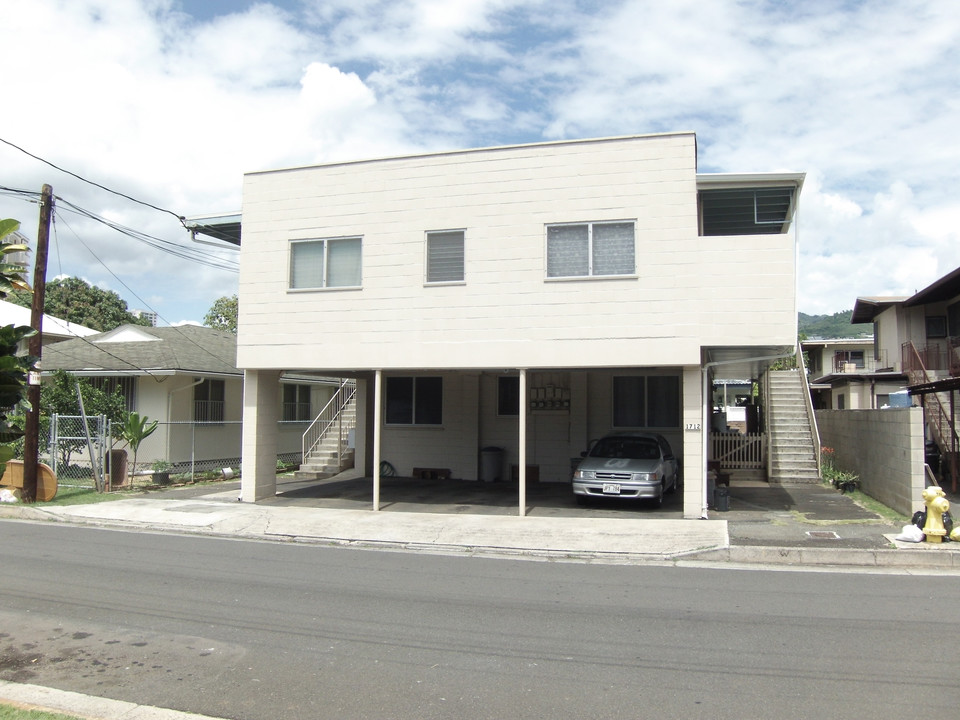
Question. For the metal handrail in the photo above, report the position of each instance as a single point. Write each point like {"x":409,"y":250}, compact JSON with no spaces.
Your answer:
{"x":808,"y":402}
{"x":330,"y":414}
{"x":941,"y":417}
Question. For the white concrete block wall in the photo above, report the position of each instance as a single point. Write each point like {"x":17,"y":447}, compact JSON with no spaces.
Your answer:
{"x":506,"y":313}
{"x":884,"y":447}
{"x":455,"y":445}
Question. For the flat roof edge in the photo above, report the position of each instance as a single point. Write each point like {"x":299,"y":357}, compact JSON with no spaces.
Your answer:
{"x":468,"y":151}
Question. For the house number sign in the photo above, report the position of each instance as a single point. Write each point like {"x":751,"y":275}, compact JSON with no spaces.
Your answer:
{"x":692,"y":426}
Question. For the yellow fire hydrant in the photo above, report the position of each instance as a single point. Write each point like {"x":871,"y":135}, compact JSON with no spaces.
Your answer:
{"x":937,"y":504}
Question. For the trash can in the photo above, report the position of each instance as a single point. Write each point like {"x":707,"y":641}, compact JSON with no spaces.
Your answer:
{"x":117,"y":466}
{"x":722,"y":498}
{"x":491,"y":464}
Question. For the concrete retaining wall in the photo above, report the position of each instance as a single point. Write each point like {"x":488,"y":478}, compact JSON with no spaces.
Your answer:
{"x":883,"y":447}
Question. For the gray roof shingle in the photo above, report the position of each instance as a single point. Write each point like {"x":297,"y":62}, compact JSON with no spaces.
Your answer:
{"x":183,"y":349}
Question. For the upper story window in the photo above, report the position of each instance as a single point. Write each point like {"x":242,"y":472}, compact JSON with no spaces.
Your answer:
{"x":445,"y":256}
{"x":208,"y":401}
{"x":746,"y":211}
{"x":591,"y":249}
{"x":326,"y":263}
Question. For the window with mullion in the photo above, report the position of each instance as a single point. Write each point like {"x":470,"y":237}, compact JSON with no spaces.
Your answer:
{"x":591,"y":249}
{"x":414,"y":401}
{"x":330,"y":262}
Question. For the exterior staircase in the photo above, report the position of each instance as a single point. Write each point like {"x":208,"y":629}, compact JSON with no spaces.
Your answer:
{"x":331,"y":455}
{"x":793,"y":458}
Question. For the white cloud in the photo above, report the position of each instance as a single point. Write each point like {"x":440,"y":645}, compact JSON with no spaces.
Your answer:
{"x":140,"y":96}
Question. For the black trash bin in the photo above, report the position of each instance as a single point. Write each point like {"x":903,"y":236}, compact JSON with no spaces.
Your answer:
{"x":721,"y":498}
{"x":491,"y":464}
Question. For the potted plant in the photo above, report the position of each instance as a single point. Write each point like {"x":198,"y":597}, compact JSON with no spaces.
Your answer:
{"x":161,"y":472}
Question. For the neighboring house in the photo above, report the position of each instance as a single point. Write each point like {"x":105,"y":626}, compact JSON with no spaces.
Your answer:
{"x":530,"y":298}
{"x":732,"y":403}
{"x":186,"y":378}
{"x":919,"y":336}
{"x":846,"y":374}
{"x":53,"y":330}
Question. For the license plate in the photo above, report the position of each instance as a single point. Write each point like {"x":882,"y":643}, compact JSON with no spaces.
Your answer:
{"x":611,"y":488}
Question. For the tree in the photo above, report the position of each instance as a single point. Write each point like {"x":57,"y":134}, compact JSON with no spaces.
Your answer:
{"x":13,"y":368}
{"x":76,"y":301}
{"x":223,"y":314}
{"x":58,"y":396}
{"x":134,"y":431}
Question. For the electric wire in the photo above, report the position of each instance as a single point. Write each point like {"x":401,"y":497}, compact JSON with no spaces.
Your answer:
{"x":150,"y":240}
{"x":180,"y":218}
{"x":134,"y":294}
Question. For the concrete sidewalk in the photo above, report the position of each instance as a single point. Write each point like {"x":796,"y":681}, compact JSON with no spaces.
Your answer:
{"x":89,"y":707}
{"x":785,"y":525}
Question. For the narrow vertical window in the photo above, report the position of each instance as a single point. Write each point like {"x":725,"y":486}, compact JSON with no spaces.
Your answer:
{"x":445,"y":256}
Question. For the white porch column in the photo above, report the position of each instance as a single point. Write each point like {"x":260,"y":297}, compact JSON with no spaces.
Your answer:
{"x":524,"y":404}
{"x":377,"y":411}
{"x":696,"y":434}
{"x":261,"y":405}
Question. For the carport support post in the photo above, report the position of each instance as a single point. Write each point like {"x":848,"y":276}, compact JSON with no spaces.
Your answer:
{"x":261,"y":402}
{"x":377,"y":391}
{"x":522,"y":472}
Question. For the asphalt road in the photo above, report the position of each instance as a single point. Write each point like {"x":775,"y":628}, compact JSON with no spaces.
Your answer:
{"x":254,"y":630}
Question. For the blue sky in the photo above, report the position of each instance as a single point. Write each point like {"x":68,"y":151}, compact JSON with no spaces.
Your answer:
{"x":172,"y":101}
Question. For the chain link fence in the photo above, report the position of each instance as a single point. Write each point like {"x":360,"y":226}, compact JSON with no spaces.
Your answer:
{"x":84,"y":454}
{"x":175,"y":452}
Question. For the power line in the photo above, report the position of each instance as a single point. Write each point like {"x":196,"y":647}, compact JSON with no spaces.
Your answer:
{"x":171,"y":248}
{"x":142,"y":301}
{"x":180,"y":218}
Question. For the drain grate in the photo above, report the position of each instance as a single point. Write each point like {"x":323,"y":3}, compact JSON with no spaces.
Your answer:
{"x":823,"y":535}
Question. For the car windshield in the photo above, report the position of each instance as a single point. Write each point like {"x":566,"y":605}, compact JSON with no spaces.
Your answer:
{"x":630,"y":448}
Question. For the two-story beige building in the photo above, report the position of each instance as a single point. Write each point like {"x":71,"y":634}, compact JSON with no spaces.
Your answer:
{"x":530,"y":298}
{"x":851,"y":374}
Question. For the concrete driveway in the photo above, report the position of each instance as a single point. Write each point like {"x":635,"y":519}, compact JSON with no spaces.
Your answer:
{"x":350,"y":490}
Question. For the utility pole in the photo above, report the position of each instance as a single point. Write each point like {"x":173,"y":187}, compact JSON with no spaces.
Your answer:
{"x":31,"y":438}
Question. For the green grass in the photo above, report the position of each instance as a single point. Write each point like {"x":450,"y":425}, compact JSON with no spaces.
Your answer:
{"x":9,"y":712}
{"x":81,"y":496}
{"x":874,"y":506}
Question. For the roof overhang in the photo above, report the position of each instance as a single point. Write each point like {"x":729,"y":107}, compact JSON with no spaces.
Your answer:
{"x":744,"y":362}
{"x":946,"y":288}
{"x":225,"y":228}
{"x":945,"y":385}
{"x":865,"y":309}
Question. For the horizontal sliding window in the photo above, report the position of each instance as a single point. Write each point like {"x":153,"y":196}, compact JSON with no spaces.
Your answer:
{"x":646,"y":401}
{"x":414,"y":401}
{"x":326,"y":263}
{"x":591,"y":249}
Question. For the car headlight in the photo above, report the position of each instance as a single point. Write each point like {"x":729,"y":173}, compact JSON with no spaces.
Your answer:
{"x":646,"y":477}
{"x":585,"y":475}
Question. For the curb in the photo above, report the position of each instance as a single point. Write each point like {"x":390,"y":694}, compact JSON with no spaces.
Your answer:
{"x":87,"y":707}
{"x":919,"y":558}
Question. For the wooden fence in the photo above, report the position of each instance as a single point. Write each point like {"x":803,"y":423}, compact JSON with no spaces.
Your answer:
{"x":738,"y":452}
